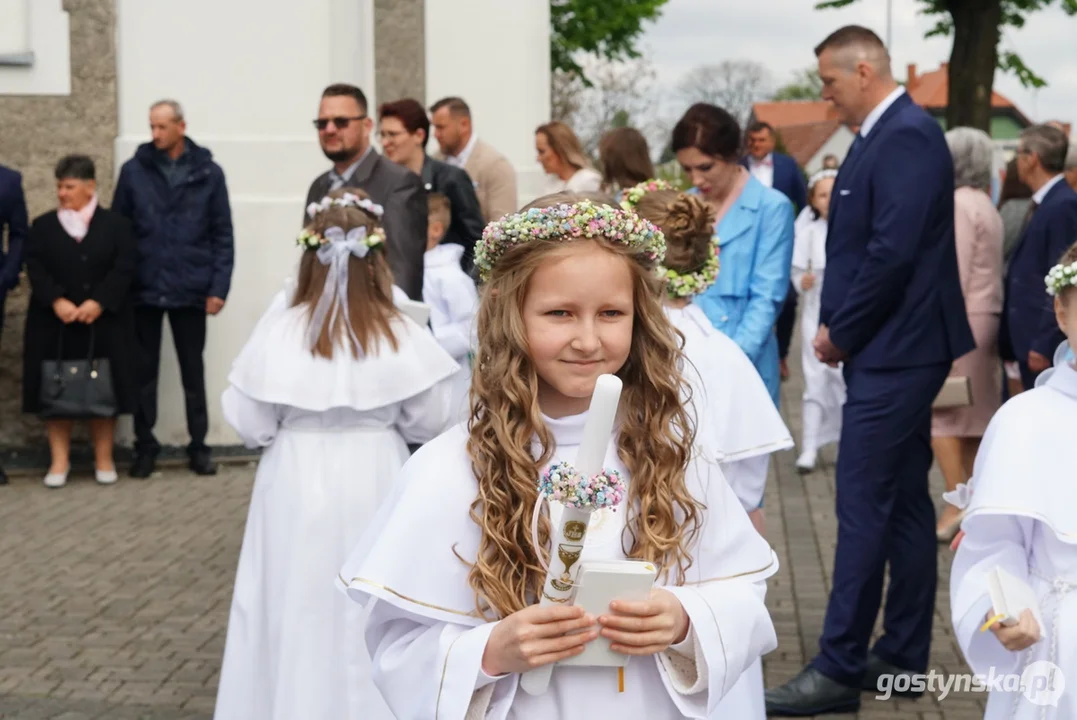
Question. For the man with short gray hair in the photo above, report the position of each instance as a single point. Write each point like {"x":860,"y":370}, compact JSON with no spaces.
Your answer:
{"x":177,"y":201}
{"x":892,"y":312}
{"x":1029,"y":327}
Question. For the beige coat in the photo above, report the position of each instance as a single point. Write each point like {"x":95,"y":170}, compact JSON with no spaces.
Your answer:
{"x":494,"y":179}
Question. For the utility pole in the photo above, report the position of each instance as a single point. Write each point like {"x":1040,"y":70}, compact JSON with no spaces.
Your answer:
{"x":889,"y":25}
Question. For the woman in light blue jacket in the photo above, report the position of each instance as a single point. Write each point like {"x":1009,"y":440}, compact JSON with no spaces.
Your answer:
{"x":755,"y":234}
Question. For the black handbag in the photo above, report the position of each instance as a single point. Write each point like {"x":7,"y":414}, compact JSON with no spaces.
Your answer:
{"x":77,"y":388}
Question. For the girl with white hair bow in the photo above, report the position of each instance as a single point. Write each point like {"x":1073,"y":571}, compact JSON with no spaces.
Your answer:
{"x":334,"y":383}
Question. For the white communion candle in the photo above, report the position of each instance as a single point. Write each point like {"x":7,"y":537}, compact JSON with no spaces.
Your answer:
{"x":569,"y":535}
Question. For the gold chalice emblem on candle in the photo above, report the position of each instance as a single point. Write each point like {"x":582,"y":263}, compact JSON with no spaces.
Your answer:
{"x":569,"y":554}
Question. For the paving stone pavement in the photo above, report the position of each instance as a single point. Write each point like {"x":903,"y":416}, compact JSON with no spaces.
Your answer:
{"x":114,"y":600}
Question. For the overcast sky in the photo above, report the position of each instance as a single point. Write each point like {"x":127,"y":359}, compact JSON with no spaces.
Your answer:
{"x":781,"y":34}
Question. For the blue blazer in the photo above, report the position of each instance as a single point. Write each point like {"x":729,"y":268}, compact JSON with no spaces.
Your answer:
{"x":756,"y":241}
{"x":12,"y":216}
{"x":788,"y":179}
{"x":1029,"y":310}
{"x":892,"y":297}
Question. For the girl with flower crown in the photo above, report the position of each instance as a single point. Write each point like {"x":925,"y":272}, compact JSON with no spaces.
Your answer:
{"x":1020,"y":517}
{"x":824,"y":387}
{"x":451,"y":572}
{"x":333,"y":383}
{"x":737,"y":420}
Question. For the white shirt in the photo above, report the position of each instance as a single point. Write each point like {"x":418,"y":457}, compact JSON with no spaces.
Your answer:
{"x":1039,"y":195}
{"x":763,"y":170}
{"x":461,"y":159}
{"x":874,"y":115}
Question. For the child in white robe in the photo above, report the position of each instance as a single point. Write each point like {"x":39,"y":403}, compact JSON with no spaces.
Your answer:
{"x":449,"y":572}
{"x":824,"y":386}
{"x":333,"y":387}
{"x":737,"y":418}
{"x":1019,"y":516}
{"x":452,"y":298}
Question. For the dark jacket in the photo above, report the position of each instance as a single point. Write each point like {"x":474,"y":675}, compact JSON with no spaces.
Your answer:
{"x":12,"y":216}
{"x":184,"y":233}
{"x":400,"y":192}
{"x":100,"y":268}
{"x":892,"y":297}
{"x":1029,"y":311}
{"x":788,"y":179}
{"x":467,"y":224}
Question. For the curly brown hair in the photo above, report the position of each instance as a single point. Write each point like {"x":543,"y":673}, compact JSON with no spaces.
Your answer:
{"x":370,"y":284}
{"x":654,"y":439}
{"x":688,"y":224}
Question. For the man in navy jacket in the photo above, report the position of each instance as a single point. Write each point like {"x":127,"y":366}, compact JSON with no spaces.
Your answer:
{"x":892,"y":311}
{"x":1051,"y":227}
{"x":177,"y":201}
{"x":782,"y":173}
{"x":13,"y":217}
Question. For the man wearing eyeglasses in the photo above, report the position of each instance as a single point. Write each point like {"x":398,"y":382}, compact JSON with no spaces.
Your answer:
{"x":344,"y":134}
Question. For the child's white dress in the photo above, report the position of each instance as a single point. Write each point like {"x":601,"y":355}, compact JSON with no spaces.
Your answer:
{"x":427,"y":640}
{"x":737,"y":423}
{"x":824,"y":386}
{"x":453,"y":302}
{"x":1023,"y":517}
{"x":335,"y":434}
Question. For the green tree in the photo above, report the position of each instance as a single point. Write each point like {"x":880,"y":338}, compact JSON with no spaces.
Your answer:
{"x":977,"y":27}
{"x":606,"y":28}
{"x":805,"y":85}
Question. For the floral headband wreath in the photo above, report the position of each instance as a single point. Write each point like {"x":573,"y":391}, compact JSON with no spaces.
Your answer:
{"x":678,"y":285}
{"x":821,"y":175}
{"x":583,"y":219}
{"x":334,"y":247}
{"x":1061,"y":277}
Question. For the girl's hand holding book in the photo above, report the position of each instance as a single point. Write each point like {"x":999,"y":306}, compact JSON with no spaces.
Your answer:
{"x":1020,"y":636}
{"x":536,"y":636}
{"x":648,"y":627}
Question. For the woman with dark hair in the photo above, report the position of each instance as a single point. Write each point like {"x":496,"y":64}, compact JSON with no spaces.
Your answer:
{"x":626,"y":160}
{"x":80,"y":260}
{"x":405,"y":130}
{"x":754,"y":227}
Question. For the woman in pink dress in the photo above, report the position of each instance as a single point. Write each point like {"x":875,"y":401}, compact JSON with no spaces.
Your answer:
{"x":956,"y":432}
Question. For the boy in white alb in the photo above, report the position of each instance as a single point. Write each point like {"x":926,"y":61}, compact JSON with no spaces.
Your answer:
{"x":1020,"y":518}
{"x":452,"y":298}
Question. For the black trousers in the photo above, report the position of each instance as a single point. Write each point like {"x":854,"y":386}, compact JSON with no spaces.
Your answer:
{"x":189,"y":335}
{"x":787,"y":318}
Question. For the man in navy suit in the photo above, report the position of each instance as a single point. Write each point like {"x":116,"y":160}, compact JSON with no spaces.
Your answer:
{"x":13,"y":217}
{"x":780,"y":172}
{"x":1051,"y":227}
{"x":893,"y":313}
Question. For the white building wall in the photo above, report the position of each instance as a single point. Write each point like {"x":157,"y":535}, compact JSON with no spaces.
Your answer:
{"x":496,"y":55}
{"x":35,"y":52}
{"x":249,"y":79}
{"x":838,"y":145}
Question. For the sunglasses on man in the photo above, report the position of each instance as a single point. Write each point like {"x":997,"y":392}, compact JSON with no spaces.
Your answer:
{"x":338,"y":122}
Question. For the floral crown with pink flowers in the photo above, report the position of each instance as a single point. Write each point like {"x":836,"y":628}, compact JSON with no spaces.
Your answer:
{"x":633,"y":195}
{"x":310,"y":240}
{"x":583,"y":219}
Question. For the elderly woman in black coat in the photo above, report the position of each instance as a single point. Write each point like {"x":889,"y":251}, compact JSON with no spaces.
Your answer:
{"x":80,"y":260}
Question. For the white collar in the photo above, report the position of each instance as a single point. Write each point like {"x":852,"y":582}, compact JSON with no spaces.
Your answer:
{"x":464,"y":155}
{"x":874,"y":115}
{"x":567,"y":431}
{"x":1039,"y":195}
{"x":769,"y":157}
{"x":347,"y":174}
{"x":442,"y":255}
{"x":1064,"y":380}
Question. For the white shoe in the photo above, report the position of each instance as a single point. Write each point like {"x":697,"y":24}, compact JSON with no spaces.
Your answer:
{"x":806,"y":462}
{"x":106,"y":477}
{"x":56,"y":480}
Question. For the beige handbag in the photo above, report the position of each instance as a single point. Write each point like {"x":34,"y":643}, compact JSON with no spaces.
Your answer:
{"x":956,"y":393}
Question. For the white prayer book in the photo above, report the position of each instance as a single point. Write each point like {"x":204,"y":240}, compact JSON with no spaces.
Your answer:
{"x":1010,"y":596}
{"x":598,"y":584}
